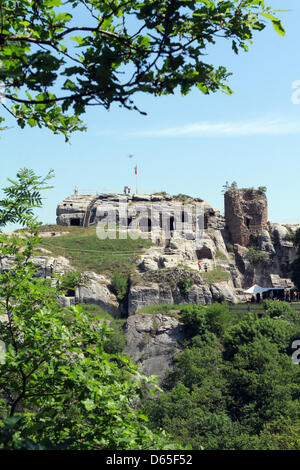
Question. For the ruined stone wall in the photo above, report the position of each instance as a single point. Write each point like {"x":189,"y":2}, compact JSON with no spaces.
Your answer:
{"x":246,"y":214}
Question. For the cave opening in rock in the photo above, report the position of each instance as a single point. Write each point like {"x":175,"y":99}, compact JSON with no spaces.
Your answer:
{"x":70,"y":293}
{"x":75,"y":222}
{"x":204,"y":253}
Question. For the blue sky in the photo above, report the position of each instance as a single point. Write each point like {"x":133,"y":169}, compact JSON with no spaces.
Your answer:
{"x":189,"y":145}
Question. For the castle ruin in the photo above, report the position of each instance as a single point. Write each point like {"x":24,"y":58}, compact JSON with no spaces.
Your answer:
{"x":246,"y":214}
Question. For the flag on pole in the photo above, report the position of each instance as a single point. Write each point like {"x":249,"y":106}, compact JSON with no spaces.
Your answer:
{"x":135,"y":170}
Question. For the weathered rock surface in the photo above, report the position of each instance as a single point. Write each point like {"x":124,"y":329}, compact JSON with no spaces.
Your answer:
{"x":153,"y":341}
{"x":97,"y":292}
{"x":166,"y":290}
{"x":265,"y":243}
{"x":143,"y":295}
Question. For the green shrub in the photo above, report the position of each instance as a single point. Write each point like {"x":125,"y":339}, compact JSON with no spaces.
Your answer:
{"x":184,"y":285}
{"x":229,"y":247}
{"x":199,"y":320}
{"x":262,"y":189}
{"x":218,"y":317}
{"x":254,"y":240}
{"x":73,"y":279}
{"x":194,"y":319}
{"x":119,"y":285}
{"x":257,"y":256}
{"x":291,"y":235}
{"x":279,"y":309}
{"x":116,"y":341}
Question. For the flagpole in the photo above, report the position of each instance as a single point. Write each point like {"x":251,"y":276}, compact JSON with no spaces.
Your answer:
{"x":136,"y":179}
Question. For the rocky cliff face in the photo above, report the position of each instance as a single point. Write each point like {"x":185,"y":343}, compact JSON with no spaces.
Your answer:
{"x":153,"y":341}
{"x":218,"y":266}
{"x":169,"y":273}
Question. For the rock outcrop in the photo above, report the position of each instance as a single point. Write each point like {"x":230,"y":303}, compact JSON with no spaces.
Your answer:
{"x":97,"y":292}
{"x":153,"y":341}
{"x":200,"y":260}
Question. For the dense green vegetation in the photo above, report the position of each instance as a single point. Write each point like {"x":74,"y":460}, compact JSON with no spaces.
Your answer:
{"x":234,"y":386}
{"x":257,"y":256}
{"x":88,"y":253}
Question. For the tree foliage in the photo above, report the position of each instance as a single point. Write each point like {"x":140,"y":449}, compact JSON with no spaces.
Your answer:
{"x":58,"y":57}
{"x":234,"y":387}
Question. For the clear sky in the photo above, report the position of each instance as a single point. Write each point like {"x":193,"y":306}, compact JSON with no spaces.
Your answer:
{"x":189,"y":145}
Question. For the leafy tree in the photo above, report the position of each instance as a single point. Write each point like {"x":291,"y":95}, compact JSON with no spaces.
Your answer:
{"x":276,"y":330}
{"x":200,"y":320}
{"x":229,"y":187}
{"x":59,"y":388}
{"x":22,"y":197}
{"x":56,"y":55}
{"x":238,"y":390}
{"x":116,"y":341}
{"x":263,"y":384}
{"x":280,"y":309}
{"x":195,"y":320}
{"x":185,"y":285}
{"x":281,"y":434}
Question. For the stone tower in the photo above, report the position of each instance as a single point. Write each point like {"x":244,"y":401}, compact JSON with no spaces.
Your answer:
{"x":246,"y":214}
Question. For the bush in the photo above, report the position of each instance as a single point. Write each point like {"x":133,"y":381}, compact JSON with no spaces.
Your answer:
{"x":116,"y":341}
{"x":279,"y":309}
{"x":229,"y":247}
{"x":184,"y":285}
{"x":119,"y":285}
{"x":218,"y":317}
{"x":194,"y":318}
{"x":256,"y":256}
{"x":199,"y":320}
{"x":262,"y":189}
{"x":73,"y":279}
